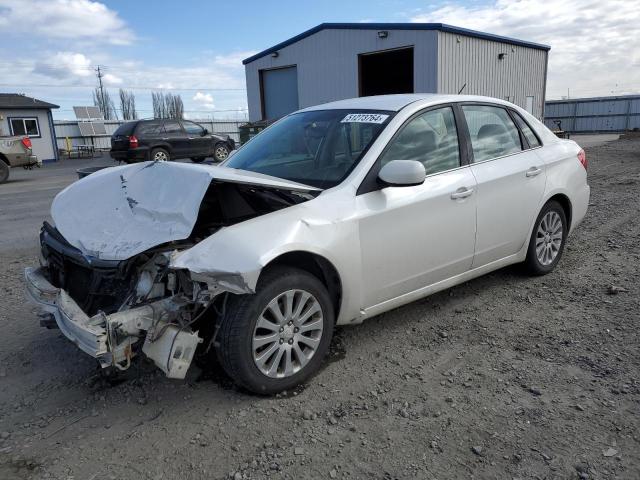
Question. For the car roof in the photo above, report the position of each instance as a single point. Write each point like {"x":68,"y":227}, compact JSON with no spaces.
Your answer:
{"x":397,"y":102}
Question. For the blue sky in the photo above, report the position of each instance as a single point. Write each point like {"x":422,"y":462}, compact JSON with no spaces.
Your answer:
{"x":50,"y":48}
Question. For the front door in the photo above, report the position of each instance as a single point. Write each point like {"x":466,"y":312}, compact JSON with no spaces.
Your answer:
{"x":511,"y":181}
{"x":176,"y":137}
{"x":198,"y":144}
{"x":411,"y":237}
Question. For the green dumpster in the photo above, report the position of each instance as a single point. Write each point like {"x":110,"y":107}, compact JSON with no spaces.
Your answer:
{"x":251,"y":129}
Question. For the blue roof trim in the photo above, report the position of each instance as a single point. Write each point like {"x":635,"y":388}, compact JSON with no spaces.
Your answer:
{"x":396,"y":26}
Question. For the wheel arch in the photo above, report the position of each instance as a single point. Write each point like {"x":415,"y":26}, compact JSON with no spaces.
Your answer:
{"x":5,"y":159}
{"x":163,"y":146}
{"x":316,"y":265}
{"x":565,"y":203}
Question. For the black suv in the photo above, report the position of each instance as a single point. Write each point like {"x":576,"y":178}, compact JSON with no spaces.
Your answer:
{"x":166,"y":139}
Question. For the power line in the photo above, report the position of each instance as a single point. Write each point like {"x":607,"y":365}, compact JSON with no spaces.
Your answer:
{"x":130,"y":87}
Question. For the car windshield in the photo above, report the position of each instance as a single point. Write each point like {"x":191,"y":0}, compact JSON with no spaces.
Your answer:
{"x":317,"y":148}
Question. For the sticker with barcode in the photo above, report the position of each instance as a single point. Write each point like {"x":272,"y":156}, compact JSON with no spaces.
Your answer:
{"x":365,"y":118}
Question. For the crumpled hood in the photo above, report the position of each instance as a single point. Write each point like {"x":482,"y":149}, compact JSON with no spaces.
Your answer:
{"x":119,"y":212}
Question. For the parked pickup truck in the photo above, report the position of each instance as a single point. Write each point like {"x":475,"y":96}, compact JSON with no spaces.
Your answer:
{"x":15,"y":152}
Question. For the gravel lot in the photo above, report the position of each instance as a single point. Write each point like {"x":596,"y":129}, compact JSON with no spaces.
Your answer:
{"x":504,"y":377}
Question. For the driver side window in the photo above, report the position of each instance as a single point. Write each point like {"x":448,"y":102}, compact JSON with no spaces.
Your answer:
{"x":430,"y":138}
{"x":192,"y":128}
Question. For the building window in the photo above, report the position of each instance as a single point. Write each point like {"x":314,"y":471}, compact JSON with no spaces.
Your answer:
{"x":25,"y":126}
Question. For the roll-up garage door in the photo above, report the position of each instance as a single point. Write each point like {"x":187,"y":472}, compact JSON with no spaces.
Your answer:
{"x":279,"y":92}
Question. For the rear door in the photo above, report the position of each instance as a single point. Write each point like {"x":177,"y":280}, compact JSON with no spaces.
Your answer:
{"x":198,"y":144}
{"x":511,"y":180}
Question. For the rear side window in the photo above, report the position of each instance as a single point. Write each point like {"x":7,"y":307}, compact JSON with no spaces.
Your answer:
{"x":150,"y":128}
{"x":430,"y":138}
{"x":171,"y":126}
{"x":493,"y":133}
{"x":126,"y":129}
{"x":526,"y":130}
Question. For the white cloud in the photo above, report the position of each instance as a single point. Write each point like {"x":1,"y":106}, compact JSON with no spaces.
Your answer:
{"x":205,"y":100}
{"x":64,"y":65}
{"x":65,"y":19}
{"x":594,"y":44}
{"x":111,"y":79}
{"x":233,"y":60}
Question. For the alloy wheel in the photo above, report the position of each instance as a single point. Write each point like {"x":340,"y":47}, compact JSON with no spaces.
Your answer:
{"x":221,"y":153}
{"x":160,"y":156}
{"x":287,"y":334}
{"x":549,"y":236}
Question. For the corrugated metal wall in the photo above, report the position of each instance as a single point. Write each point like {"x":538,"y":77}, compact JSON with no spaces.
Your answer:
{"x":328,"y":64}
{"x":70,"y":129}
{"x":474,"y":62}
{"x":601,"y":114}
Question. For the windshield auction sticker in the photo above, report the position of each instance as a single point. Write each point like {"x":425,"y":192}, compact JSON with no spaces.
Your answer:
{"x":365,"y":118}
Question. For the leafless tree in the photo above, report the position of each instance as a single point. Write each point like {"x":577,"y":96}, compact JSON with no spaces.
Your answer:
{"x":103,"y":101}
{"x":128,"y":105}
{"x":167,"y":105}
{"x":157,"y":99}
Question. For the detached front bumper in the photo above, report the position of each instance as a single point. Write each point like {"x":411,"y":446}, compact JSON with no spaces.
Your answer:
{"x":88,"y":333}
{"x":113,"y":339}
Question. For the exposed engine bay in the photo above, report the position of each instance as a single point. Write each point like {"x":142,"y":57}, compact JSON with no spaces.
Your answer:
{"x":114,"y":309}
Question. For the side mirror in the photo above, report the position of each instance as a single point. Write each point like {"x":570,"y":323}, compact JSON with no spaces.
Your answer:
{"x":402,"y":173}
{"x":205,"y":132}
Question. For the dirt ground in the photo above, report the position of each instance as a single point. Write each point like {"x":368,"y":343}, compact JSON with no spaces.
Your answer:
{"x":505,"y":377}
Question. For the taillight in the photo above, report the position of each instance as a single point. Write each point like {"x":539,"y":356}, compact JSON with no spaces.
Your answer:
{"x":26,"y":141}
{"x":133,"y":141}
{"x":583,"y":158}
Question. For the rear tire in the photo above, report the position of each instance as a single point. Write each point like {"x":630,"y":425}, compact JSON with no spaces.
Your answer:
{"x":267,"y":353}
{"x":4,"y":172}
{"x":547,"y":240}
{"x":160,"y":155}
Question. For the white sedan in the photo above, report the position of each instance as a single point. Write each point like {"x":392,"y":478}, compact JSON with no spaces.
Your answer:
{"x":332,"y":215}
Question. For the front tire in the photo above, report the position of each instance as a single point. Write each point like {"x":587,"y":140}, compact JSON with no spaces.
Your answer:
{"x":160,"y":155}
{"x":220,"y":152}
{"x":547,"y":240}
{"x":278,"y":337}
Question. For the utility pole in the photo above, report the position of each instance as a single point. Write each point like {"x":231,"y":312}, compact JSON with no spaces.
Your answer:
{"x":102,"y":103}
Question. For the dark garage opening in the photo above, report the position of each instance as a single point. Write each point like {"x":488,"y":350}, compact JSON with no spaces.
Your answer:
{"x":387,"y":72}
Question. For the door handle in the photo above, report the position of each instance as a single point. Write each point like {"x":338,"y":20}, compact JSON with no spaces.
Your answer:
{"x":190,"y":138}
{"x":165,"y":138}
{"x":533,"y":171}
{"x":462,"y":192}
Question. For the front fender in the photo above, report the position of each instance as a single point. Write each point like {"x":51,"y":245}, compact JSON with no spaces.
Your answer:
{"x":245,"y":249}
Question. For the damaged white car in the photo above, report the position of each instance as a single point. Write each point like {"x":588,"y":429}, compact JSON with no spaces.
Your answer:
{"x":334,"y":214}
